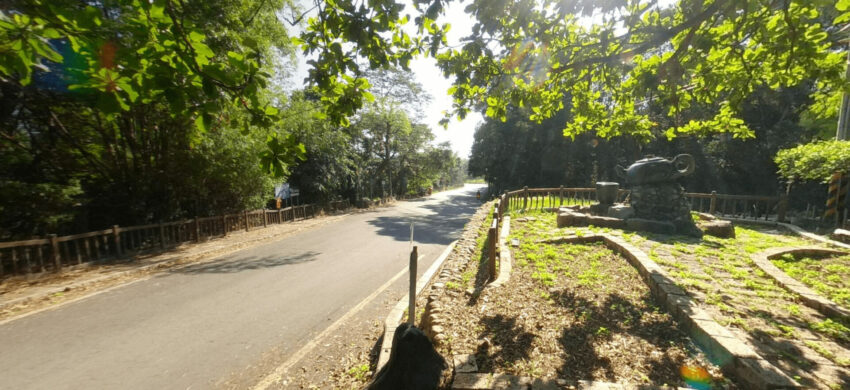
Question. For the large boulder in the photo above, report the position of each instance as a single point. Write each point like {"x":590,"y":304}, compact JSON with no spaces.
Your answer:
{"x":718,"y":228}
{"x":621,"y":211}
{"x":613,"y":223}
{"x":841,"y":235}
{"x":571,"y":218}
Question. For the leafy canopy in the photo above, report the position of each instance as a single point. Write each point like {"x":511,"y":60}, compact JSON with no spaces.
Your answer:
{"x":814,"y":161}
{"x":609,"y":58}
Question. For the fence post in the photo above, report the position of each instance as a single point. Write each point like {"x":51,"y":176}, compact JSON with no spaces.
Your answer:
{"x":197,"y":230}
{"x":525,"y":197}
{"x":712,"y":206}
{"x":411,"y":296}
{"x":162,"y":235}
{"x":224,"y":225}
{"x":491,"y":250}
{"x":279,"y":216}
{"x":782,"y":208}
{"x":560,"y":195}
{"x":54,"y":249}
{"x":116,"y":238}
{"x":247,"y":227}
{"x":265,"y":218}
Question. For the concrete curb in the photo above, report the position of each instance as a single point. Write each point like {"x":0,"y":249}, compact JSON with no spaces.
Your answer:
{"x":809,"y":297}
{"x":394,"y":318}
{"x":505,"y":260}
{"x":721,"y":345}
{"x":168,"y":262}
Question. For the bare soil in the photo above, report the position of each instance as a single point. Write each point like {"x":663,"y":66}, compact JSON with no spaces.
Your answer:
{"x":577,"y":312}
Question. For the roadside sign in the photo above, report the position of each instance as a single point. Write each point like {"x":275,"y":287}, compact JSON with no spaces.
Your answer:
{"x":282,"y":191}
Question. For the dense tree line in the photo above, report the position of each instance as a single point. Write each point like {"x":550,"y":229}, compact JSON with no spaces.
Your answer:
{"x":132,"y":112}
{"x":519,"y":152}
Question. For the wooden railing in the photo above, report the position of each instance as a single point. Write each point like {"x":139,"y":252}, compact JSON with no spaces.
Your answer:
{"x":55,"y":253}
{"x":737,"y":206}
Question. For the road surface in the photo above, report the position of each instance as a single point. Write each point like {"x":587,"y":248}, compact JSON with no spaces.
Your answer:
{"x":191,"y":327}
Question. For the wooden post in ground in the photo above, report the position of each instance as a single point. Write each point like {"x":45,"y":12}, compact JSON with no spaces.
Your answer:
{"x":246,"y":220}
{"x":712,"y":206}
{"x":162,"y":235}
{"x":14,"y":260}
{"x":279,"y":216}
{"x":116,"y":239}
{"x":224,"y":225}
{"x":411,"y":300}
{"x":265,"y":218}
{"x":560,"y":196}
{"x":54,"y":251}
{"x":525,"y":197}
{"x":492,"y":236}
{"x":197,"y":230}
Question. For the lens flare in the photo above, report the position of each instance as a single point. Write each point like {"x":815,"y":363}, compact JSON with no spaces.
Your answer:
{"x":696,"y":377}
{"x":529,"y":61}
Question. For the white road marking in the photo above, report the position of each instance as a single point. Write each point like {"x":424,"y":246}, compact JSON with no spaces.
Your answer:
{"x":298,"y":355}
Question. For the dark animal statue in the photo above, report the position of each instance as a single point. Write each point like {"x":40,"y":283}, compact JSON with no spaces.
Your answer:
{"x":414,"y":364}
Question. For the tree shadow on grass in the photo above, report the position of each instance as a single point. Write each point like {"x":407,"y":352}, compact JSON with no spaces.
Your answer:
{"x":248,"y":263}
{"x":513,"y":342}
{"x":788,"y":355}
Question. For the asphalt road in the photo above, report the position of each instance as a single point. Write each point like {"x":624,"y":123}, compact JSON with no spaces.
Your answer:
{"x":190,"y":327}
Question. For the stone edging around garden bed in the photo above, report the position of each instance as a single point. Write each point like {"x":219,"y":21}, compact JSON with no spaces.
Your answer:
{"x":721,"y":345}
{"x":809,"y":297}
{"x":394,"y":318}
{"x":794,"y":228}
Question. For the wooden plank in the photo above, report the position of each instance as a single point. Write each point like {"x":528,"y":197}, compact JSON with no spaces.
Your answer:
{"x":12,"y":244}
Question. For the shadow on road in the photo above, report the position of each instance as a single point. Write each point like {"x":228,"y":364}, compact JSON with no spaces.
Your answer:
{"x":248,"y":263}
{"x":442,"y":225}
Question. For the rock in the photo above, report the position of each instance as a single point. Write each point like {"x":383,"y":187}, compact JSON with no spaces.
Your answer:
{"x":511,"y":382}
{"x":841,"y":235}
{"x":718,"y":228}
{"x":523,"y":219}
{"x":614,"y":223}
{"x":621,"y":211}
{"x":471,"y":381}
{"x":599,"y":209}
{"x":571,"y":218}
{"x":706,"y":217}
{"x":465,"y":363}
{"x":650,"y":225}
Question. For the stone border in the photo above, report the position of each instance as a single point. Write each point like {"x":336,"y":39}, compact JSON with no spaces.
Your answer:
{"x":489,"y":381}
{"x":505,"y":262}
{"x":394,"y":318}
{"x":721,"y":345}
{"x":793,"y":228}
{"x":809,"y":297}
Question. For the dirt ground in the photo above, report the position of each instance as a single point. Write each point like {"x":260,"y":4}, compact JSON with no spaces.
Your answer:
{"x":572,"y":312}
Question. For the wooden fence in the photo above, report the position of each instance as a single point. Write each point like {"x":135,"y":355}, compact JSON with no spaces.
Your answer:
{"x":769,"y":208}
{"x":54,"y":253}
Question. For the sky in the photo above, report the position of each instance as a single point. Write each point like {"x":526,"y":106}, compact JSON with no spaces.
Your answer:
{"x":458,"y":133}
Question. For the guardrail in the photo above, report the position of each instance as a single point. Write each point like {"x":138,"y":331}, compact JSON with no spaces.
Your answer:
{"x":738,"y":206}
{"x":57,"y":252}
